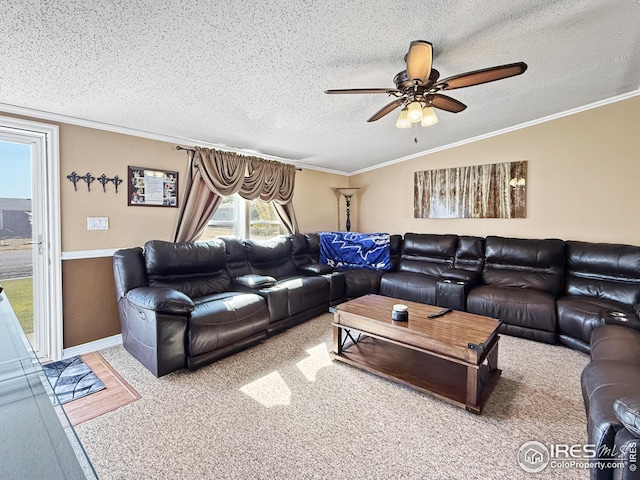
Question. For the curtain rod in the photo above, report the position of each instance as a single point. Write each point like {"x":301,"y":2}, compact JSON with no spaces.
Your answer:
{"x":178,"y":147}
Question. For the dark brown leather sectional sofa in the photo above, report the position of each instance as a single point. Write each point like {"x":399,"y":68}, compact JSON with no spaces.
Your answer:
{"x":187,"y":305}
{"x":611,"y":391}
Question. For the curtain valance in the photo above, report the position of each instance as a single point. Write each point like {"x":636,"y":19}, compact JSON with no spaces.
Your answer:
{"x":214,"y":174}
{"x":226,"y":173}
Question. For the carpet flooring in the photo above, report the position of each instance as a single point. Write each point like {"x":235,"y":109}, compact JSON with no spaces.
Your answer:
{"x":284,"y":409}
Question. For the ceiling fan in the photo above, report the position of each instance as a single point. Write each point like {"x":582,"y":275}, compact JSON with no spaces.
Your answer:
{"x":418,"y":87}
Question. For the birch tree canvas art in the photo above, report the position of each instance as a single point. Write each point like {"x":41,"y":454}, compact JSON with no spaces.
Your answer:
{"x":496,"y":190}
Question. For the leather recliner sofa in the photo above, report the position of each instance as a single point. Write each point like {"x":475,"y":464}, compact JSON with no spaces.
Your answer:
{"x":539,"y":289}
{"x":521,"y":280}
{"x":435,"y":269}
{"x":177,"y":306}
{"x":599,"y":276}
{"x":268,"y":269}
{"x":544,"y":290}
{"x":611,"y":392}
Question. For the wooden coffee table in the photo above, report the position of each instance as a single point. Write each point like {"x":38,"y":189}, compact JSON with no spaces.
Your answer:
{"x":453,"y":357}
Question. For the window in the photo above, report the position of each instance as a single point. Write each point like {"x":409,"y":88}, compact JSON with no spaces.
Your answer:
{"x":243,"y":218}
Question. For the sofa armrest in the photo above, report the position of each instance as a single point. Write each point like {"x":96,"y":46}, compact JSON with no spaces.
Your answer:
{"x":253,"y":281}
{"x":460,"y":275}
{"x":315,"y":269}
{"x":627,"y":410}
{"x":160,"y":299}
{"x":609,"y":317}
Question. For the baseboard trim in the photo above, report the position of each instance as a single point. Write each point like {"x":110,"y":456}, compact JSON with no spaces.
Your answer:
{"x":92,"y":346}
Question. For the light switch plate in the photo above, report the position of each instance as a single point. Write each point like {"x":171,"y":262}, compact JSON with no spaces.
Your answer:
{"x":97,"y":223}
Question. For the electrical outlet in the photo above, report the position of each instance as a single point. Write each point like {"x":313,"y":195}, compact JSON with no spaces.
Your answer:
{"x":97,"y":223}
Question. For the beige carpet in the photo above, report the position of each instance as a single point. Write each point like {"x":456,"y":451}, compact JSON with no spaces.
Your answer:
{"x":284,"y":409}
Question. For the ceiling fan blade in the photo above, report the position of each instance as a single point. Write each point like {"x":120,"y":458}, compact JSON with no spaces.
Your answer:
{"x":362,"y":90}
{"x":384,"y":110}
{"x":419,"y":60}
{"x":484,"y":75}
{"x":447,"y":103}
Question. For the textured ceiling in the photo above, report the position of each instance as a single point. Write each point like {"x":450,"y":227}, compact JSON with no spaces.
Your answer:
{"x":251,"y":76}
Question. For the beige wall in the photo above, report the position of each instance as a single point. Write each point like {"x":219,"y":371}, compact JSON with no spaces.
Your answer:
{"x":317,"y":204}
{"x":89,"y":302}
{"x":88,"y":150}
{"x":583,"y":175}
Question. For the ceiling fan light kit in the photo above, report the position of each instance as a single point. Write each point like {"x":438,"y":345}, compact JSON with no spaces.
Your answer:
{"x":418,"y":87}
{"x":403,"y":120}
{"x":428,"y":117}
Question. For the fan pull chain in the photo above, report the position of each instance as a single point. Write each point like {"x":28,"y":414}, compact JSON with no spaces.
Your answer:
{"x":415,"y":131}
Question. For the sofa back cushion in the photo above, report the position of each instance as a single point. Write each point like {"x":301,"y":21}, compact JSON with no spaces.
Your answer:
{"x":299,"y":249}
{"x":195,"y":269}
{"x":270,"y":257}
{"x":523,"y":263}
{"x":313,"y":246}
{"x":427,"y":253}
{"x":237,"y":264}
{"x":129,"y":270}
{"x":470,"y":253}
{"x":604,"y":270}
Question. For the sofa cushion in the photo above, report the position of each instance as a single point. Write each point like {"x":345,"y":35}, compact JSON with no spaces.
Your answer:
{"x":428,"y":254}
{"x":271,"y":257}
{"x":313,"y":246}
{"x":523,"y":263}
{"x":305,"y":293}
{"x":409,"y":286}
{"x":236,"y":257}
{"x":578,"y":316}
{"x":469,"y":253}
{"x":523,"y":307}
{"x":195,"y":269}
{"x":615,"y":342}
{"x":300,"y":249}
{"x":224,"y":319}
{"x":361,"y":281}
{"x":603,"y":270}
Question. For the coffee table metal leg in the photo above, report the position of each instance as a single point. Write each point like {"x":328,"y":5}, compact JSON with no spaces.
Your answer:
{"x":340,"y":335}
{"x":472,"y":386}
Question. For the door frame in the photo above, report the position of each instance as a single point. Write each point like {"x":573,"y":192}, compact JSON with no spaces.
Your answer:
{"x":47,"y":284}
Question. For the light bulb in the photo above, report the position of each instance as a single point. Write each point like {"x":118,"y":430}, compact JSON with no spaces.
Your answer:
{"x":403,"y":120}
{"x":415,"y":112}
{"x":428,"y":117}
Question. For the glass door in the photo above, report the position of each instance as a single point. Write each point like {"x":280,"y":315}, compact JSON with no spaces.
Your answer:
{"x":16,"y":231}
{"x":30,"y":255}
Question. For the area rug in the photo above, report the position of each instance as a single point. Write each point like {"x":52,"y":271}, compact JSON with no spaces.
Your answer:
{"x":71,"y":379}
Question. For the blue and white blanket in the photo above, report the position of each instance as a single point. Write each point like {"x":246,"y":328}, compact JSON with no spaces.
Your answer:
{"x":355,"y":250}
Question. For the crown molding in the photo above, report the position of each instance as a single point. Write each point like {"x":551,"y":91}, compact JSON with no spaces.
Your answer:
{"x":81,"y":122}
{"x":520,"y":126}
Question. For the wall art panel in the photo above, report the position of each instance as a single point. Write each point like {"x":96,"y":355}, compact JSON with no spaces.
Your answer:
{"x":496,"y":190}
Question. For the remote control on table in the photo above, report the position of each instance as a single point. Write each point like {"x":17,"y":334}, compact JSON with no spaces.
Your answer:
{"x":442,"y":312}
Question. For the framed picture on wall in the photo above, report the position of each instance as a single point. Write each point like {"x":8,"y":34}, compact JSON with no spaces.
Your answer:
{"x":150,"y":187}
